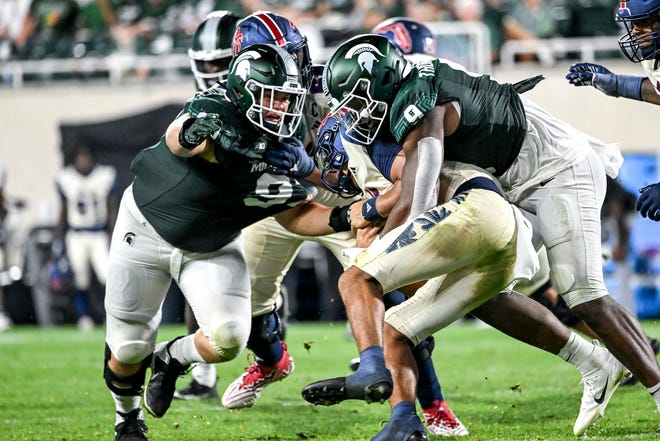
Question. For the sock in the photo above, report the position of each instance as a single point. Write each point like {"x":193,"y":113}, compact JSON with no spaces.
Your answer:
{"x":271,"y":354}
{"x":655,"y":393}
{"x":372,"y":359}
{"x":204,"y":374}
{"x":428,"y":385}
{"x":80,"y":303}
{"x":185,"y":352}
{"x":577,"y":351}
{"x":125,"y":404}
{"x":402,"y":409}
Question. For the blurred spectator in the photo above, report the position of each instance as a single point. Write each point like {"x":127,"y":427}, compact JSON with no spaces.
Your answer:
{"x":48,"y":30}
{"x":12,"y":16}
{"x":529,"y":20}
{"x":5,"y":321}
{"x":88,"y":209}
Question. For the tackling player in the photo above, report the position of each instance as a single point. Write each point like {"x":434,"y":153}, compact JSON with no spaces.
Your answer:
{"x":547,"y":168}
{"x":227,"y":161}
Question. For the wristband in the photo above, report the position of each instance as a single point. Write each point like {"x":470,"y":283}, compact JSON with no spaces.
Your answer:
{"x":629,"y":86}
{"x":340,"y":218}
{"x":369,"y":211}
{"x":182,"y":140}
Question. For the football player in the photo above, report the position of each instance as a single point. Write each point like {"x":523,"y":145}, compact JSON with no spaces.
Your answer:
{"x":271,"y":249}
{"x":640,"y":44}
{"x":227,"y":161}
{"x":210,"y":54}
{"x":88,"y":208}
{"x":547,"y":168}
{"x":511,"y":313}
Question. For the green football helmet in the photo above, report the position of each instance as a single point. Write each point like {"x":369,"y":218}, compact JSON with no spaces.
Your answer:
{"x":210,"y":51}
{"x":263,"y":83}
{"x":362,"y":76}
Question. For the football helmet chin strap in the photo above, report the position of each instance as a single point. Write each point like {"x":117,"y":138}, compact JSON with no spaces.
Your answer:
{"x":430,"y":153}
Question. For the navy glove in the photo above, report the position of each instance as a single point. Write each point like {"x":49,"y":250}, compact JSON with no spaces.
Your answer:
{"x":590,"y":74}
{"x":648,"y":202}
{"x":289,"y":157}
{"x":195,"y":130}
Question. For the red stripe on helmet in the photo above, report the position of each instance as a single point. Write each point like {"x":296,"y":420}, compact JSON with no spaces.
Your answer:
{"x":273,"y":28}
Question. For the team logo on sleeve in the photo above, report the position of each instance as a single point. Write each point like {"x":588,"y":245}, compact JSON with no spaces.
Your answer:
{"x":412,"y":114}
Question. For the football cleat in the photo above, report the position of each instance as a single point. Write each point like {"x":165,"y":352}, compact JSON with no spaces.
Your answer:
{"x":406,"y":428}
{"x":369,"y":387}
{"x":599,"y":386}
{"x":196,"y":391}
{"x":132,"y":428}
{"x":441,"y":421}
{"x":164,"y":371}
{"x":246,"y":389}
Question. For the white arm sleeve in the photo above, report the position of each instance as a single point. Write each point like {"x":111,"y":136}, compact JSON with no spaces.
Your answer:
{"x":430,"y":155}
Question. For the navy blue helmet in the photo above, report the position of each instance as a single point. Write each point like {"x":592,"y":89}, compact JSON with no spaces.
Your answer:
{"x":332,"y":159}
{"x":641,"y":14}
{"x":408,"y":35}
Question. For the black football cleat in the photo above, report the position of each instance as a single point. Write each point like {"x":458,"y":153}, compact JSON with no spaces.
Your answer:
{"x":196,"y":391}
{"x":132,"y":428}
{"x":372,"y":388}
{"x":164,"y":372}
{"x":406,"y":428}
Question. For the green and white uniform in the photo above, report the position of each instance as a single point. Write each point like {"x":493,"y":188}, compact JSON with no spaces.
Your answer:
{"x":552,"y":171}
{"x":181,"y":219}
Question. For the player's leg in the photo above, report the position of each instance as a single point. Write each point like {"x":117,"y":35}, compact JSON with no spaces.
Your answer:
{"x":135,"y":289}
{"x":270,"y":250}
{"x":216,"y":285}
{"x":568,"y":210}
{"x":451,"y":226}
{"x":78,"y":252}
{"x":204,"y":375}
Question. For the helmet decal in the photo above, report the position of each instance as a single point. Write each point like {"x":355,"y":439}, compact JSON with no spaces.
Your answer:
{"x":365,"y":55}
{"x":238,"y":41}
{"x":273,"y":28}
{"x":623,"y":9}
{"x":401,"y":36}
{"x":243,"y":65}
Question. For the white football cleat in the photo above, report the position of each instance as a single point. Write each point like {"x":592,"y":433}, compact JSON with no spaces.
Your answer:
{"x":599,"y":386}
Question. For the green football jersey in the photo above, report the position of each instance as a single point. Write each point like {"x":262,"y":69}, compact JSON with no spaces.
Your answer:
{"x":200,"y":206}
{"x":492,"y":124}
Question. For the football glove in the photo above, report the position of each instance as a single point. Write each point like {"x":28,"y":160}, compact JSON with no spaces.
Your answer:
{"x":648,"y":202}
{"x":289,"y":157}
{"x":195,"y":130}
{"x":590,"y":74}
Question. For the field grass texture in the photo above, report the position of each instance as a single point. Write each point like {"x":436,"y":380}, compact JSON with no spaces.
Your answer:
{"x":52,"y":388}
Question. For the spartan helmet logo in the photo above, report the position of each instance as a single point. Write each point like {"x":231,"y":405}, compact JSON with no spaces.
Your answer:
{"x":366,"y":55}
{"x":243,"y":66}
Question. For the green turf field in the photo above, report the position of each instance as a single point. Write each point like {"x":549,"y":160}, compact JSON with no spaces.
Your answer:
{"x":51,"y":388}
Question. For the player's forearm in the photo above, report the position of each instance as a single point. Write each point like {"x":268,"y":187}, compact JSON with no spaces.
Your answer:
{"x":310,"y":219}
{"x":172,"y":139}
{"x":649,"y":94}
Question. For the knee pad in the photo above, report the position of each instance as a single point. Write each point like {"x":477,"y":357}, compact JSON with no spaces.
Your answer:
{"x":130,"y":385}
{"x":229,"y":339}
{"x":266,"y":329}
{"x":133,"y":352}
{"x":557,"y":226}
{"x":424,"y":349}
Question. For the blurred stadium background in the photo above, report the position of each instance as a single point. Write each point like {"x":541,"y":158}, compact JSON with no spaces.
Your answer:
{"x":114,"y":73}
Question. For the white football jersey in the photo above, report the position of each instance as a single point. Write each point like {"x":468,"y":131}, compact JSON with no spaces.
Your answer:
{"x":86,"y":196}
{"x":652,"y":71}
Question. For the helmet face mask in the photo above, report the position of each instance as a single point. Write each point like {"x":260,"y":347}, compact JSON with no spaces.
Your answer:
{"x":210,"y":52}
{"x":360,"y":79}
{"x":332,"y":159}
{"x":636,"y":16}
{"x":263,"y":84}
{"x":264,"y":27}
